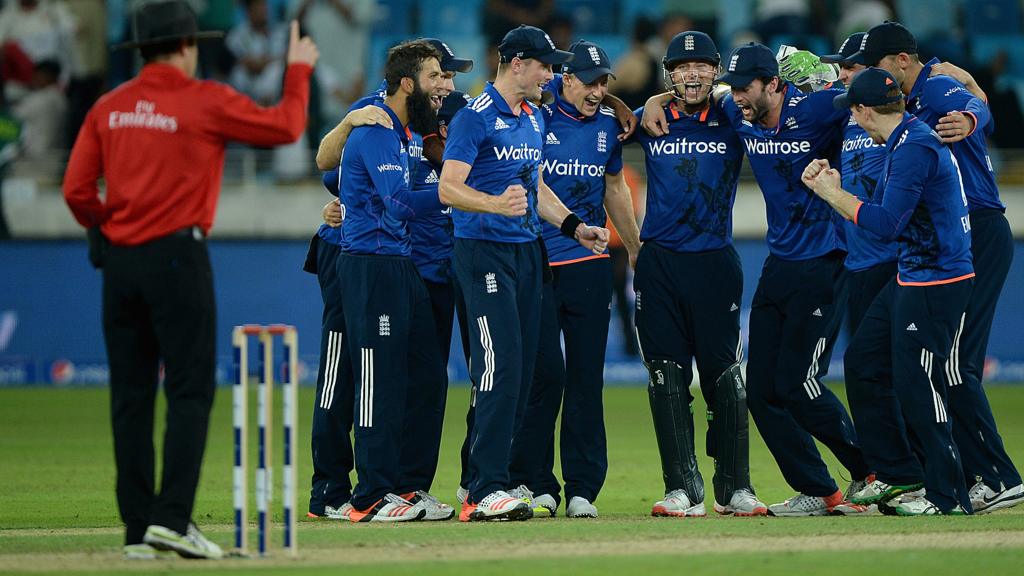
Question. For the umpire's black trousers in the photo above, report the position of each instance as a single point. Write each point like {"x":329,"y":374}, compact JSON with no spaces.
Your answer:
{"x":158,"y":306}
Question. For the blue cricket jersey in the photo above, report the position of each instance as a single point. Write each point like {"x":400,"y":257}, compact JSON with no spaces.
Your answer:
{"x":503,"y":148}
{"x":578,"y":152}
{"x":924,"y":207}
{"x":375,"y":190}
{"x":691,"y":180}
{"x":861,"y":163}
{"x":932,"y":98}
{"x":801,"y":226}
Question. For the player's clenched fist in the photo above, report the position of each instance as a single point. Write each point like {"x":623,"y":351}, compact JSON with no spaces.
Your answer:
{"x":820,"y":177}
{"x":593,"y":237}
{"x":513,"y":201}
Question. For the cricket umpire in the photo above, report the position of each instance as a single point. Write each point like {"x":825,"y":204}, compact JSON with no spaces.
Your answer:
{"x":908,"y":331}
{"x":492,"y":178}
{"x":158,"y":141}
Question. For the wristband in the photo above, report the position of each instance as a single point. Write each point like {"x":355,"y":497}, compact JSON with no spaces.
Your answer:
{"x":569,"y":225}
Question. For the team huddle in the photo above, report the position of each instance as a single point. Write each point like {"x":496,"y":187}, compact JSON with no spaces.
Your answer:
{"x":881,"y":206}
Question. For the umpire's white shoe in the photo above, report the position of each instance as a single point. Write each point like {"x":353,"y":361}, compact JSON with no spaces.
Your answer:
{"x":191,"y":544}
{"x":677,"y":504}
{"x":580,"y":507}
{"x":499,"y":505}
{"x":436,"y":510}
{"x":743,"y":503}
{"x":985,"y":499}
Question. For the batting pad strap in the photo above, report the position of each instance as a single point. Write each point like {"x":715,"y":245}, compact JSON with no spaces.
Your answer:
{"x":569,"y":225}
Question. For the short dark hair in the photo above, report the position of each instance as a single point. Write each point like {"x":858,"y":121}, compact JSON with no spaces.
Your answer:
{"x":151,"y":52}
{"x":897,"y":107}
{"x":405,"y":61}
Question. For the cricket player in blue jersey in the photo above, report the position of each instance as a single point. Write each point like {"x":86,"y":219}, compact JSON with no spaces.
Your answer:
{"x":386,"y":307}
{"x":583,"y":165}
{"x":332,"y":452}
{"x":909,"y":329}
{"x":798,"y":303}
{"x":692,"y":171}
{"x":962,"y":119}
{"x":492,"y":178}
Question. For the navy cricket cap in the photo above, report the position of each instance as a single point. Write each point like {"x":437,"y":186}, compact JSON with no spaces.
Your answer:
{"x":848,"y":48}
{"x":688,"y":46}
{"x":871,"y":88}
{"x":531,"y":42}
{"x":589,"y":62}
{"x":451,"y":104}
{"x":882,"y":40}
{"x":449,"y":63}
{"x":748,"y":62}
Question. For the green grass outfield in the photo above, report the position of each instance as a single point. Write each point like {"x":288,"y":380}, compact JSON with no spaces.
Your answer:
{"x":58,"y":514}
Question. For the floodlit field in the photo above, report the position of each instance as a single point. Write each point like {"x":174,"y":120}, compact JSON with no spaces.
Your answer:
{"x":58,"y":514}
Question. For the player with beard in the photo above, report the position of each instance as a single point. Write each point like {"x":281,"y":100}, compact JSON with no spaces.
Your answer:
{"x":385,"y":305}
{"x":798,"y":303}
{"x":430,"y":233}
{"x":692,"y":173}
{"x":492,"y":178}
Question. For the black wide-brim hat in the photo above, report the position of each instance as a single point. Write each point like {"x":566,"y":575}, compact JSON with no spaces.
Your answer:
{"x":164,"y":22}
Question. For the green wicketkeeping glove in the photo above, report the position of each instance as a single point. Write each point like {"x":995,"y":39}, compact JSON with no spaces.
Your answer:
{"x":802,"y":67}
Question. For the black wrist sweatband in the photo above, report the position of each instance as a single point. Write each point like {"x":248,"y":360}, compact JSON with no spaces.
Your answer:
{"x":569,"y":225}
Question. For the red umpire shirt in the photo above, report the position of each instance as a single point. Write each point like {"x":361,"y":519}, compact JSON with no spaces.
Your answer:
{"x":163,"y":117}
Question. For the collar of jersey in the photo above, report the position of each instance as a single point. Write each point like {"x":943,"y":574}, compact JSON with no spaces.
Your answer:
{"x":163,"y":73}
{"x":677,"y":114}
{"x":922,"y":77}
{"x":500,"y":104}
{"x":791,"y":90}
{"x":403,"y":131}
{"x":908,"y":119}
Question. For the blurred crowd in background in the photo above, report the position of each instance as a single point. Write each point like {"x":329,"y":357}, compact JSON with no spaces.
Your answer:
{"x":57,"y":56}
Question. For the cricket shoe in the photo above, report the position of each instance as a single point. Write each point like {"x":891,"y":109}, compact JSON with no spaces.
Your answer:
{"x":743,"y":503}
{"x":677,"y":504}
{"x":390,"y":508}
{"x":461,"y":495}
{"x":579,"y":507}
{"x":856,"y":486}
{"x":499,"y":505}
{"x":543,"y":505}
{"x":340,"y":513}
{"x":889,"y":508}
{"x":804,"y":505}
{"x":144,"y":551}
{"x":877,"y":491}
{"x":436,"y":510}
{"x":985,"y":499}
{"x":191,"y":544}
{"x":921,"y":506}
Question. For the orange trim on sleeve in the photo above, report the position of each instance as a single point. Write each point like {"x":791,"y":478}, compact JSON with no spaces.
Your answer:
{"x":584,"y":259}
{"x":971,"y":114}
{"x":935,"y":282}
{"x":857,"y":212}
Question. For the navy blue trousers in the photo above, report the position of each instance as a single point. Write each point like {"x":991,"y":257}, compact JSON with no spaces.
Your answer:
{"x":575,"y":305}
{"x":974,"y":427}
{"x":502,"y":286}
{"x":902,"y":345}
{"x":397,"y":374}
{"x":794,"y":319}
{"x":680,"y":319}
{"x":862,"y":287}
{"x":332,"y":409}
